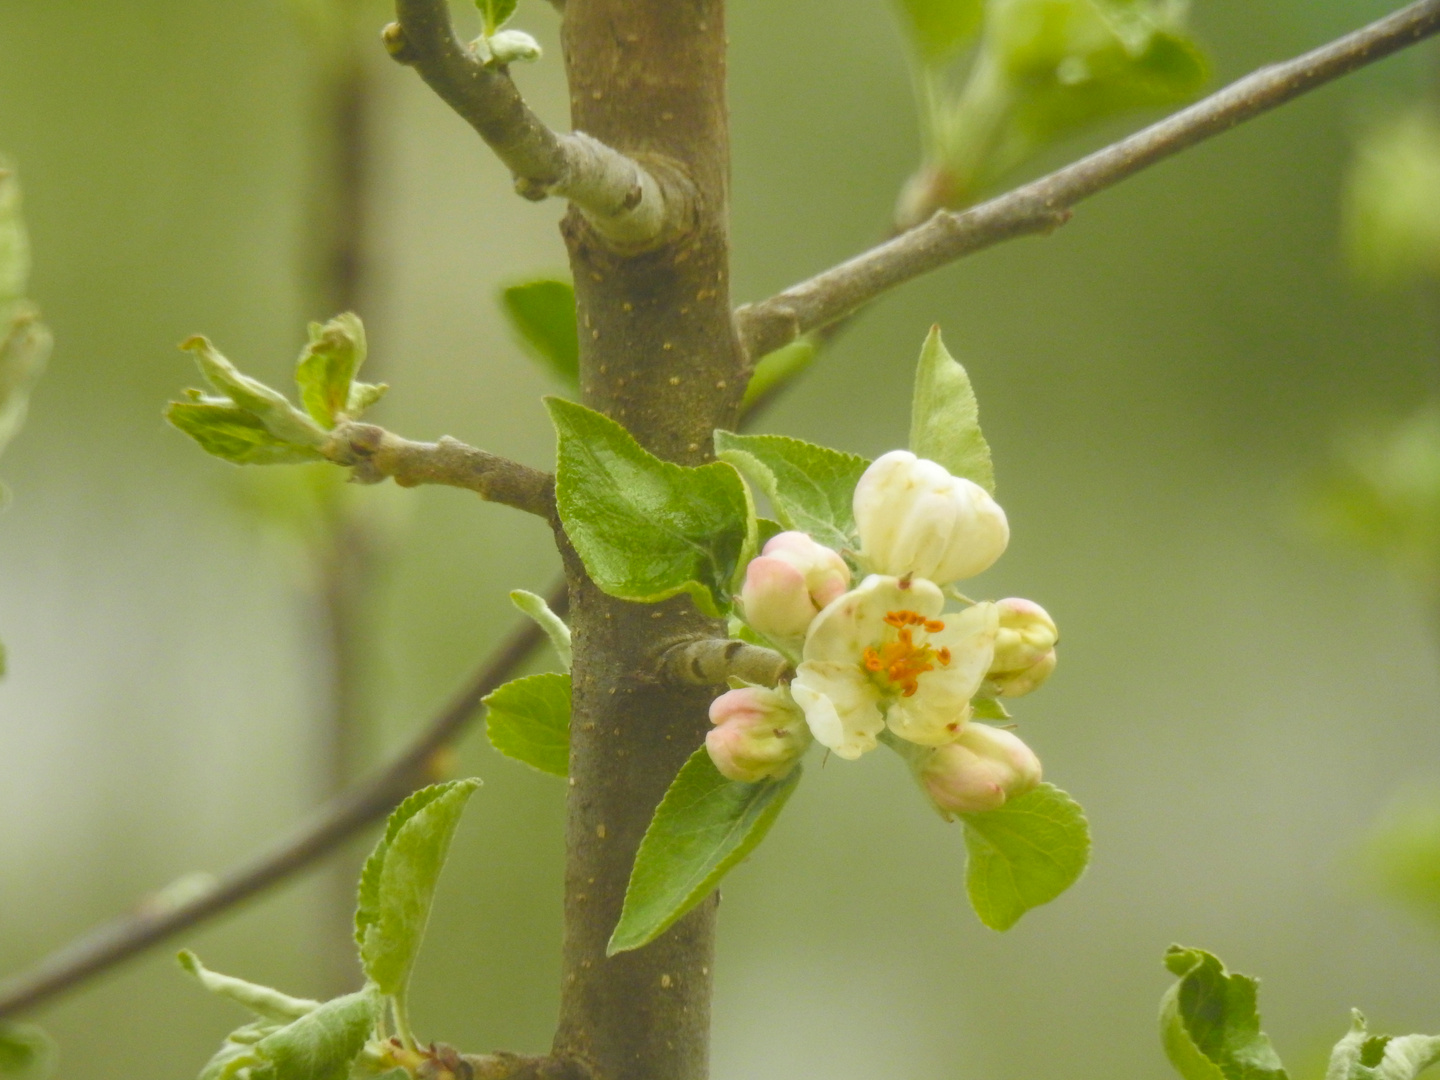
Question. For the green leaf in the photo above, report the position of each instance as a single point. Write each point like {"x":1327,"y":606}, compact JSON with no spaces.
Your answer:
{"x":529,"y":720}
{"x":647,"y":529}
{"x":287,"y":423}
{"x":496,"y":13}
{"x":1392,"y":218}
{"x":542,"y":314}
{"x":26,"y":1052}
{"x":779,"y":367}
{"x":235,"y":435}
{"x":811,"y":488}
{"x":941,"y":28}
{"x":24,"y":348}
{"x":945,"y":417}
{"x":536,"y":608}
{"x":704,"y":826}
{"x":264,"y":1002}
{"x":398,"y":881}
{"x":326,"y":369}
{"x":987,"y":708}
{"x":14,"y":242}
{"x":1209,"y":1022}
{"x":1025,"y":854}
{"x":1362,"y":1056}
{"x":321,"y":1045}
{"x":765,"y":529}
{"x":363,"y":395}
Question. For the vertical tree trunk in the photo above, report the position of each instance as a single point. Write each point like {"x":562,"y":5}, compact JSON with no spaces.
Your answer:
{"x":658,"y":353}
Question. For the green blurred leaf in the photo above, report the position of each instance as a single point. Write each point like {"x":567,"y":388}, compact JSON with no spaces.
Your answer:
{"x":945,"y":418}
{"x":529,"y":720}
{"x":24,"y":348}
{"x":1362,"y":1056}
{"x":26,"y":1052}
{"x":542,"y":314}
{"x":940,"y":28}
{"x":264,"y":1002}
{"x":398,"y":882}
{"x":704,"y":826}
{"x":811,"y":488}
{"x":1402,"y":854}
{"x":496,"y":13}
{"x":235,"y":435}
{"x":555,"y":629}
{"x":1392,"y":215}
{"x":648,"y":529}
{"x":779,"y":367}
{"x":282,"y":419}
{"x":326,"y":368}
{"x":1025,"y":854}
{"x":1209,"y":1023}
{"x":321,"y":1045}
{"x":14,"y":242}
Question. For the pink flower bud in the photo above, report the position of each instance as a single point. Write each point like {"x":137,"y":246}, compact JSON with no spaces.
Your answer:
{"x":788,"y":584}
{"x":759,"y":734}
{"x":1024,"y":648}
{"x":981,"y":770}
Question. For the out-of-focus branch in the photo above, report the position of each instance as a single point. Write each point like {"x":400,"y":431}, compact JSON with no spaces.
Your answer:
{"x":375,"y":454}
{"x":1044,"y":205}
{"x":711,"y":661}
{"x":634,"y":205}
{"x":339,"y":820}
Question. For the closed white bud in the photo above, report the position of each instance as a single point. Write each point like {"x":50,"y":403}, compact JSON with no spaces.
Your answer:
{"x":915,"y":518}
{"x":788,"y":584}
{"x":981,"y":770}
{"x":1024,"y":648}
{"x":759,"y":734}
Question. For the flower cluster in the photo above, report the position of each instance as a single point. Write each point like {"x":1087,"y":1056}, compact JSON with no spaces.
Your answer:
{"x":884,"y":659}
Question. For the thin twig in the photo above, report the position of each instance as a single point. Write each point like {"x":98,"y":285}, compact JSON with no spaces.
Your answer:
{"x":1044,"y":205}
{"x":375,"y":454}
{"x":337,"y":821}
{"x":633,"y":205}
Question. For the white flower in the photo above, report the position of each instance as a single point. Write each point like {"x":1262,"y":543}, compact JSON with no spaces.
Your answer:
{"x":915,"y":518}
{"x":788,"y":584}
{"x":883,"y":654}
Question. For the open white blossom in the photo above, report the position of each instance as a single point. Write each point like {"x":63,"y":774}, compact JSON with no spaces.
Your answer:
{"x":915,"y":518}
{"x":884,"y":654}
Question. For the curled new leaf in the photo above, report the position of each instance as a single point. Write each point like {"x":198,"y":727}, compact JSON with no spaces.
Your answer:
{"x":266,"y":1003}
{"x":326,"y":372}
{"x":398,"y":882}
{"x":282,"y":419}
{"x":1209,"y":1022}
{"x":555,"y":629}
{"x":324,"y":1044}
{"x":648,"y":529}
{"x":704,"y":826}
{"x":1363,"y":1056}
{"x":235,"y":435}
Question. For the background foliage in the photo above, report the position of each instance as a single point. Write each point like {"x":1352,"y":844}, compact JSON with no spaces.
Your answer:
{"x":1160,"y":383}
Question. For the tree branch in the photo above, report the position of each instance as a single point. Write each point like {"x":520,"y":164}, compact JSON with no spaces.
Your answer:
{"x":1044,"y":205}
{"x":711,"y":661}
{"x":369,"y":801}
{"x":633,"y":205}
{"x":375,"y":453}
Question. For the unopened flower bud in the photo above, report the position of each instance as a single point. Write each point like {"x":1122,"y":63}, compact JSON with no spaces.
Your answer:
{"x":788,"y":584}
{"x":1024,"y":648}
{"x":759,"y":734}
{"x":915,"y":518}
{"x":983,"y":769}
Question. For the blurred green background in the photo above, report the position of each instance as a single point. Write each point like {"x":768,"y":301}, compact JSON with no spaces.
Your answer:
{"x":1161,"y":382}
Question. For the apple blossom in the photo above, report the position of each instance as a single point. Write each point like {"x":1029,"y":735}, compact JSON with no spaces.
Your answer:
{"x":983,"y":769}
{"x":759,"y":734}
{"x":1024,"y":648}
{"x":915,"y":518}
{"x":788,"y":583}
{"x":883,"y":654}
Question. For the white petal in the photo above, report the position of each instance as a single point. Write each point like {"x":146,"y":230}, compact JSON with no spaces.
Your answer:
{"x":970,"y":637}
{"x":855,"y":621}
{"x":932,"y":720}
{"x":840,"y":706}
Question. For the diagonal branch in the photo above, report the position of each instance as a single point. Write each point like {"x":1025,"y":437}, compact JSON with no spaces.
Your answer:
{"x":1044,"y":205}
{"x":633,"y":205}
{"x":337,"y":821}
{"x":375,"y":453}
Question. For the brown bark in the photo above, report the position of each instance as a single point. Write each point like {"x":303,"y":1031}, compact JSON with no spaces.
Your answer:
{"x":659,"y":354}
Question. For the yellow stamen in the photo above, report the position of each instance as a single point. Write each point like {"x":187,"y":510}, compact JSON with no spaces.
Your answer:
{"x":901,"y":662}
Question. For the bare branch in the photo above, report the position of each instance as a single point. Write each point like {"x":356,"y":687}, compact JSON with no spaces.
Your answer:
{"x":633,"y":205}
{"x":711,"y":661}
{"x":503,"y":1065}
{"x":375,"y":453}
{"x":1042,"y":206}
{"x":336,"y":822}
